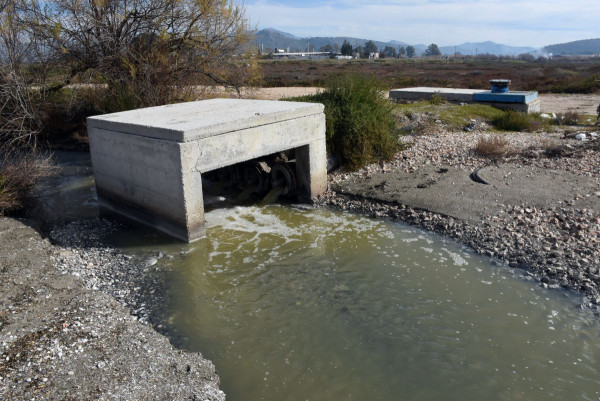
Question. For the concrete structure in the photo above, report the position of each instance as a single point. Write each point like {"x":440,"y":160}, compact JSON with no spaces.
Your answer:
{"x":148,"y":163}
{"x":526,"y":102}
{"x":500,"y":85}
{"x":425,"y":93}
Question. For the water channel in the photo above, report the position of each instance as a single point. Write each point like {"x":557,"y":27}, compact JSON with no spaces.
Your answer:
{"x":295,"y":303}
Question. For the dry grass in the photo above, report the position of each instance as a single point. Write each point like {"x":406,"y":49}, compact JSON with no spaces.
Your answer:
{"x":552,"y":76}
{"x":18,"y":173}
{"x":493,"y":147}
{"x":569,"y":118}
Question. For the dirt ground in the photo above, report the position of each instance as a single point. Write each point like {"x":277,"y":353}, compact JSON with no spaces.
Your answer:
{"x":60,"y":340}
{"x":266,"y":93}
{"x":450,"y":191}
{"x":582,"y":104}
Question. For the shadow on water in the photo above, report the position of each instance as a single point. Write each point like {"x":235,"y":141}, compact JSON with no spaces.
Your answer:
{"x":68,"y":194}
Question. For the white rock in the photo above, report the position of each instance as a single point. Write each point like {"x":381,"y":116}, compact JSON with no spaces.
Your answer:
{"x":580,"y":137}
{"x":594,"y":134}
{"x":544,"y":115}
{"x":150,"y":262}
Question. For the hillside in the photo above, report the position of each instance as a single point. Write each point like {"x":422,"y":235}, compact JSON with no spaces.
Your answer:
{"x":486,"y":48}
{"x":578,"y":47}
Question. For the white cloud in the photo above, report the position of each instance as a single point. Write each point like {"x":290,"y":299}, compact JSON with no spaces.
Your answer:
{"x":445,"y":22}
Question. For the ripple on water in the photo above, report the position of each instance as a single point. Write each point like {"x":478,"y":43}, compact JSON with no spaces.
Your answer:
{"x":299,"y":303}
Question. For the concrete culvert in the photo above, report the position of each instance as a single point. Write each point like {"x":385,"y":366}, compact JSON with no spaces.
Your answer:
{"x":150,"y":164}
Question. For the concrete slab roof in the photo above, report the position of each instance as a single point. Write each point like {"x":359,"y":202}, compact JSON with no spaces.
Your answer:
{"x":185,"y":122}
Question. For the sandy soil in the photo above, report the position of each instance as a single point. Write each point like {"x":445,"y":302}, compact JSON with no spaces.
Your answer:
{"x":266,"y":93}
{"x":583,"y":104}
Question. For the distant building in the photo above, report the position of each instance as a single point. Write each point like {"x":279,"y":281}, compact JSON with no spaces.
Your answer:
{"x":302,"y":55}
{"x":373,"y":56}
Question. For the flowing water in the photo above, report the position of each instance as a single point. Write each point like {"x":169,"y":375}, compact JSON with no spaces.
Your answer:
{"x":308,"y":304}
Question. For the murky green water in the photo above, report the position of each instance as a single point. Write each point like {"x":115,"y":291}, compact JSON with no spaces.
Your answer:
{"x":302,"y":304}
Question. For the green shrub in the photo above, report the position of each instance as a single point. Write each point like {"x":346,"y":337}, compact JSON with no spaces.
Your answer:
{"x":436,"y":99}
{"x":361,"y":127}
{"x":514,"y":121}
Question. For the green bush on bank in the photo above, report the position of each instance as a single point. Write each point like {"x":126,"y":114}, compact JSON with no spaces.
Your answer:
{"x":513,"y":121}
{"x":516,"y":121}
{"x":361,"y":127}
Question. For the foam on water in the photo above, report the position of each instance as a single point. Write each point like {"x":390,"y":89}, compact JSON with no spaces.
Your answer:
{"x":456,"y":258}
{"x":336,"y":306}
{"x":252,"y":219}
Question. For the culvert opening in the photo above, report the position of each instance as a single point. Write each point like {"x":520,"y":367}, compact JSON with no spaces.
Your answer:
{"x":258,"y":181}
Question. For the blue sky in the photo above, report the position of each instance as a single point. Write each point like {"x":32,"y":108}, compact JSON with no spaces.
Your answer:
{"x":444,"y":22}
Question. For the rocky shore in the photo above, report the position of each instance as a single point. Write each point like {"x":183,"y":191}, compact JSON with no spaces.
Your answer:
{"x":553,"y":235}
{"x":74,"y":322}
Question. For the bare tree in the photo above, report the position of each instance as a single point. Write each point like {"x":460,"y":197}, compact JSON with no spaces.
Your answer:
{"x":156,"y":49}
{"x":19,"y":119}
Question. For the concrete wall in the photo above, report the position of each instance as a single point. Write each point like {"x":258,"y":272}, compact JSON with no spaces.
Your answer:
{"x":207,"y":154}
{"x":141,"y":178}
{"x":425,"y":93}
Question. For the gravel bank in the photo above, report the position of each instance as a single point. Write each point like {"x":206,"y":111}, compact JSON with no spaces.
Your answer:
{"x":558,"y":244}
{"x":66,"y":331}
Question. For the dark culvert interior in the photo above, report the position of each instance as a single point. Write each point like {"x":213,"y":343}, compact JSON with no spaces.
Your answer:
{"x":262,"y":180}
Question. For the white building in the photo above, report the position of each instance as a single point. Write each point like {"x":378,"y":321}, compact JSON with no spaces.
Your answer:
{"x":302,"y":56}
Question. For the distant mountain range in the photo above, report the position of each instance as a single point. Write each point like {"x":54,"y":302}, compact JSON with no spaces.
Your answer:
{"x":272,"y":38}
{"x":486,"y":48}
{"x":578,"y":47}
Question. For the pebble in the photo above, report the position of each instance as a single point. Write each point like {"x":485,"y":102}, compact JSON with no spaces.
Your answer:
{"x":149,"y":262}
